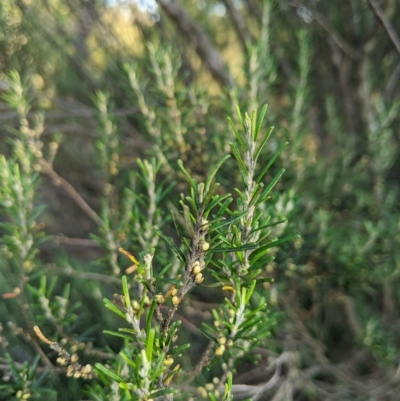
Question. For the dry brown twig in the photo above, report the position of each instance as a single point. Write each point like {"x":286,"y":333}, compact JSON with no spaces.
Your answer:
{"x":386,"y":23}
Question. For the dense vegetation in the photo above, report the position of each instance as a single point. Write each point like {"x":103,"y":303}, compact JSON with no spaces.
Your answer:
{"x":139,"y":261}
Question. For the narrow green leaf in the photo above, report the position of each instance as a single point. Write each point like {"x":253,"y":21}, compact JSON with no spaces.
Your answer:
{"x":164,"y":270}
{"x":188,"y":220}
{"x":246,"y":247}
{"x":253,"y":125}
{"x":206,"y":334}
{"x":262,"y":262}
{"x":150,"y":343}
{"x":258,"y":254}
{"x":211,"y":397}
{"x":256,"y":194}
{"x":239,"y":113}
{"x":178,"y":350}
{"x":282,"y":240}
{"x":121,"y":335}
{"x":177,"y":225}
{"x":268,"y":189}
{"x":268,"y":225}
{"x":242,"y":167}
{"x":126,"y":330}
{"x":261,"y":119}
{"x":218,"y":201}
{"x":211,"y":175}
{"x":125,"y":290}
{"x":230,"y":305}
{"x":238,"y":137}
{"x":109,"y":305}
{"x":220,"y":224}
{"x":108,"y":372}
{"x":263,"y":142}
{"x":170,"y":242}
{"x":250,"y":291}
{"x":149,"y":316}
{"x":271,"y":162}
{"x":190,"y":180}
{"x":171,"y":281}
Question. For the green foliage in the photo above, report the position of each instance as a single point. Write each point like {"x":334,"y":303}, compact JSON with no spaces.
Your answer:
{"x":181,"y":254}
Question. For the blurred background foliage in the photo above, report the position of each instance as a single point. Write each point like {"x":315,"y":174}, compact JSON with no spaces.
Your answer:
{"x":173,"y":71}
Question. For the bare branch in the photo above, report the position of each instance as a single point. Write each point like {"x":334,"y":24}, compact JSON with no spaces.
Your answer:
{"x":392,"y":83}
{"x":198,"y":39}
{"x":337,"y":38}
{"x":386,"y":24}
{"x":238,"y":23}
{"x":72,"y":192}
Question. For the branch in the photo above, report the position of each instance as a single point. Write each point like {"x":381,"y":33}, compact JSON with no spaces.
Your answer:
{"x":72,"y":192}
{"x":238,"y":23}
{"x":386,"y":24}
{"x":338,"y":39}
{"x":391,"y":84}
{"x":198,"y":39}
{"x":69,"y":271}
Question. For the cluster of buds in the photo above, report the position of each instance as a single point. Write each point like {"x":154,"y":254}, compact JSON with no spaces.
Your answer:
{"x":175,"y":298}
{"x":210,"y":388}
{"x":74,"y":369}
{"x":136,"y":305}
{"x":196,"y":271}
{"x":224,"y":344}
{"x":23,"y":394}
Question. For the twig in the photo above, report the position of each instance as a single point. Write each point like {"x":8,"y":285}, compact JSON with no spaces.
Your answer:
{"x":72,"y":192}
{"x":339,"y":40}
{"x":84,"y":242}
{"x":69,"y":271}
{"x":199,"y":40}
{"x":204,"y":361}
{"x":239,"y":23}
{"x":386,"y":24}
{"x":391,"y":84}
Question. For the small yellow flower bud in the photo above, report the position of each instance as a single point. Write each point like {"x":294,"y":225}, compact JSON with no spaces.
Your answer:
{"x":220,"y":350}
{"x":174,"y":291}
{"x":196,"y":268}
{"x":205,"y":246}
{"x":53,"y":145}
{"x":229,"y":344}
{"x":87,"y":369}
{"x":77,"y":375}
{"x":222,"y":340}
{"x":74,"y":358}
{"x":209,"y":387}
{"x":135,"y":306}
{"x":199,"y":278}
{"x":202,"y":391}
{"x":175,"y":300}
{"x":61,"y":361}
{"x":168,"y":362}
{"x":146,"y":300}
{"x":204,"y":225}
{"x":159,"y":298}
